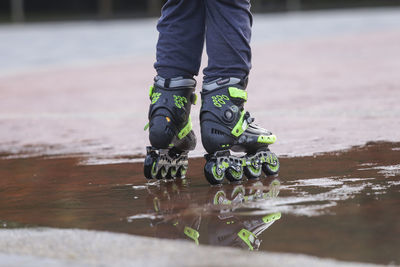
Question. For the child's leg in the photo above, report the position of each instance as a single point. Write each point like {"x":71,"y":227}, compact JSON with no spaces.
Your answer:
{"x":228,"y":36}
{"x":225,"y":125}
{"x":181,"y":39}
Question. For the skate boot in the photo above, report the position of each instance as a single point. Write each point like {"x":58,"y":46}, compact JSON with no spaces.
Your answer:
{"x":225,"y":127}
{"x":170,"y":128}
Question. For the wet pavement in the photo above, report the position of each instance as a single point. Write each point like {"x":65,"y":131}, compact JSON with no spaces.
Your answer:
{"x":321,"y":81}
{"x":341,"y":205}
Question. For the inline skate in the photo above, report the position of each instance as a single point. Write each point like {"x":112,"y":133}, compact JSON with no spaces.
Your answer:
{"x":225,"y":127}
{"x":170,"y":128}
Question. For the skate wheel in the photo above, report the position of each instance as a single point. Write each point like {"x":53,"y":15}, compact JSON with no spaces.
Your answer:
{"x":162,"y":174}
{"x":172,"y":172}
{"x":238,"y":190}
{"x":150,"y":167}
{"x":219,"y":198}
{"x":253,"y":172}
{"x":233,"y":175}
{"x":214,"y":174}
{"x":182,"y":172}
{"x":271,"y":167}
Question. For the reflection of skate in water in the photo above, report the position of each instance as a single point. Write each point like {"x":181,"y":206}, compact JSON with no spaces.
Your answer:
{"x":235,"y":229}
{"x":225,"y":218}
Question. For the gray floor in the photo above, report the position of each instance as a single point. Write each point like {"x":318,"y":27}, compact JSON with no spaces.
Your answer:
{"x":367,"y":112}
{"x":41,"y":45}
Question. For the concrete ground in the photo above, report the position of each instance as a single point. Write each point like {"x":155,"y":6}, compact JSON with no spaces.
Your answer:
{"x":321,"y":81}
{"x":52,"y":247}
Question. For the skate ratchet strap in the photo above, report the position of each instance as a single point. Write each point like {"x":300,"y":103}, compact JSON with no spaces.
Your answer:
{"x":192,"y":234}
{"x":237,"y":93}
{"x":242,"y":124}
{"x":248,"y":237}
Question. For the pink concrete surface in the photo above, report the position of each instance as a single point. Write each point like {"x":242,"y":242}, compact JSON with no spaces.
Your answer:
{"x":316,"y":95}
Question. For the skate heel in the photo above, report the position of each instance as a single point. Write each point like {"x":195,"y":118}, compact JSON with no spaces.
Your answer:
{"x":170,"y":128}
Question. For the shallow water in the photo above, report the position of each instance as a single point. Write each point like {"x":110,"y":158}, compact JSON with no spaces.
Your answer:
{"x":340,"y":205}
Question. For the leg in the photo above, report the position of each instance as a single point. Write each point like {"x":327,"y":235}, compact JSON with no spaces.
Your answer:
{"x":181,"y":38}
{"x":228,"y":24}
{"x":225,"y":125}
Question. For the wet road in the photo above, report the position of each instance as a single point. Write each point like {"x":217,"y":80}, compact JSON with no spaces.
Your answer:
{"x":341,"y":205}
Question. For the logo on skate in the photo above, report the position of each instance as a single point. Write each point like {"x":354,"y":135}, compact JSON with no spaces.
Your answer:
{"x":219,"y":100}
{"x":155,"y":97}
{"x":180,"y":101}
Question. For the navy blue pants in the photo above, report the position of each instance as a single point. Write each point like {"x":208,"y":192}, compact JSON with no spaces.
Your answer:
{"x":184,"y":27}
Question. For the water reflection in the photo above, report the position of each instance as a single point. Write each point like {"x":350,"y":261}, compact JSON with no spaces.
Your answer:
{"x":225,"y":218}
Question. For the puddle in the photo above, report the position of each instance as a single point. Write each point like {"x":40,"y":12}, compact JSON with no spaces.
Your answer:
{"x":342,"y":205}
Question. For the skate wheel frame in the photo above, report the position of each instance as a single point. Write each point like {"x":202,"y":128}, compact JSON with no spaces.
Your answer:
{"x":222,"y":164}
{"x":162,"y":164}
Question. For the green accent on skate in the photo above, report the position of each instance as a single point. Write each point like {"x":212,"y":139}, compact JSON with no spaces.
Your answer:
{"x":180,"y":101}
{"x":186,"y":130}
{"x":227,"y":145}
{"x":235,"y":173}
{"x":151,"y":90}
{"x":156,"y":203}
{"x":272,"y":217}
{"x":163,"y":172}
{"x":219,"y":100}
{"x":155,"y":97}
{"x":175,"y":224}
{"x":183,"y":171}
{"x":274,"y":168}
{"x":224,"y":201}
{"x":240,"y":126}
{"x":195,"y":99}
{"x":230,"y":222}
{"x":237,"y":190}
{"x":225,"y":164}
{"x":153,"y":169}
{"x":254,"y":170}
{"x":191,"y":233}
{"x":247,"y":237}
{"x":267,"y":139}
{"x":173,"y":171}
{"x":272,"y":160}
{"x":215,"y":174}
{"x":237,"y":93}
{"x":147,"y":126}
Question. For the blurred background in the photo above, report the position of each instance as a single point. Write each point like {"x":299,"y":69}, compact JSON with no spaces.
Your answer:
{"x":44,"y":10}
{"x":74,"y":75}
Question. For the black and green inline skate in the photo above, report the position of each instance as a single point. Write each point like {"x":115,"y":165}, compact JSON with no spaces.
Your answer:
{"x":170,"y":128}
{"x":225,"y":127}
